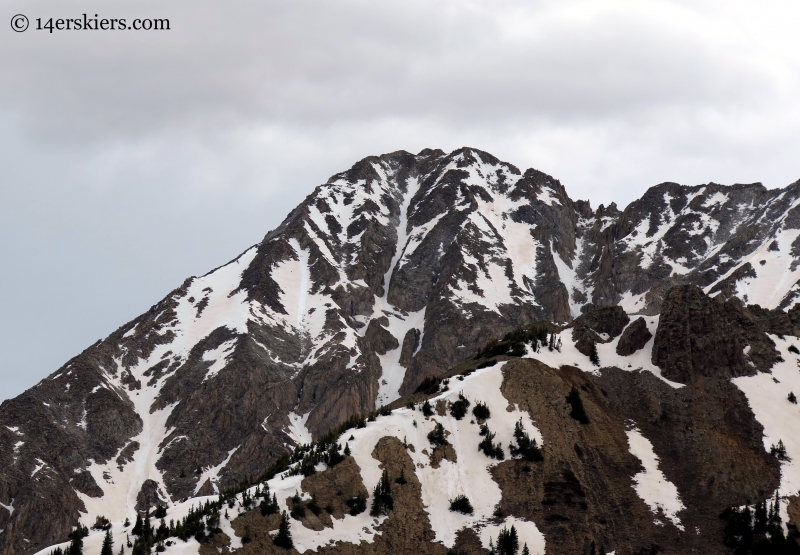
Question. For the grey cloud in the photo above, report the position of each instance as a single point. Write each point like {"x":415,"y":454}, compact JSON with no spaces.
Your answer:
{"x":314,"y":62}
{"x":134,"y":160}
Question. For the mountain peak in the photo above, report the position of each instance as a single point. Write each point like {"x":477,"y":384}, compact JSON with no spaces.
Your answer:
{"x":389,"y":274}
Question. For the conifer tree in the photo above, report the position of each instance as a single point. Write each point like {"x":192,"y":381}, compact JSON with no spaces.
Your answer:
{"x":121,"y":550}
{"x":76,"y":545}
{"x":594,"y":358}
{"x":138,"y":526}
{"x":346,"y":449}
{"x":108,"y":544}
{"x":382,"y":501}
{"x":508,"y":542}
{"x":284,"y":536}
{"x":525,"y":550}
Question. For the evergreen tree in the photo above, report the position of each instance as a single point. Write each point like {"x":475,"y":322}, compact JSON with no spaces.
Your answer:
{"x":437,"y":435}
{"x":507,"y":542}
{"x":121,"y":550}
{"x":594,"y":358}
{"x":526,"y":551}
{"x":458,"y":409}
{"x":267,"y":507}
{"x":490,"y":449}
{"x":284,"y":536}
{"x":382,"y":501}
{"x":526,"y":447}
{"x":481,"y":411}
{"x":138,"y":526}
{"x":108,"y":544}
{"x":76,"y":545}
{"x":346,"y":449}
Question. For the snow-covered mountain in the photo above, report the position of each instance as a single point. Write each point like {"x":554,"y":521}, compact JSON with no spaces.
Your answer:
{"x":394,"y":271}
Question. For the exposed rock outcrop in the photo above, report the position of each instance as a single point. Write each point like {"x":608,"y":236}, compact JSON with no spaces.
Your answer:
{"x":635,"y":336}
{"x":703,"y":337}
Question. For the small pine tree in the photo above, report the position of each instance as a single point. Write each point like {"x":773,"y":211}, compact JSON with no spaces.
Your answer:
{"x":437,"y":435}
{"x":121,"y":550}
{"x":525,"y":550}
{"x":108,"y":544}
{"x":507,"y":542}
{"x":594,"y":358}
{"x":792,"y":398}
{"x":526,"y":447}
{"x":481,"y":411}
{"x":138,"y":527}
{"x":382,"y":501}
{"x":779,"y":451}
{"x":458,"y":409}
{"x":76,"y":545}
{"x":284,"y":536}
{"x":427,"y":410}
{"x":346,"y":449}
{"x":461,"y":504}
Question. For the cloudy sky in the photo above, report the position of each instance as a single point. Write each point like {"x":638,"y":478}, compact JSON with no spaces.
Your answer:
{"x":131,"y":160}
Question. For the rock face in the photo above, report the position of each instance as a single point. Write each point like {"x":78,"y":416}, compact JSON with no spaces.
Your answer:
{"x":581,"y":493}
{"x":598,"y":326}
{"x":701,"y":337}
{"x":635,"y":336}
{"x":391,"y":272}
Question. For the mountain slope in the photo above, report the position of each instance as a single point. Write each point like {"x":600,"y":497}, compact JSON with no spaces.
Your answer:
{"x":630,"y":461}
{"x":393,"y":271}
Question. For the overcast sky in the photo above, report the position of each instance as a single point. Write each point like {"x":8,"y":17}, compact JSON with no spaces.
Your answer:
{"x":132,"y":160}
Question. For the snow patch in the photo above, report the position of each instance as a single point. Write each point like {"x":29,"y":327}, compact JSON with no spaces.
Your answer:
{"x":219,"y":356}
{"x":492,"y":284}
{"x":780,"y":418}
{"x":297,"y":428}
{"x":651,"y":485}
{"x":639,"y":361}
{"x":527,"y":532}
{"x":471,"y":475}
{"x":9,"y":507}
{"x":213,"y":473}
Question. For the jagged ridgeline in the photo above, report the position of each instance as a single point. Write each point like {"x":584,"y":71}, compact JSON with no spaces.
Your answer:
{"x":439,"y":352}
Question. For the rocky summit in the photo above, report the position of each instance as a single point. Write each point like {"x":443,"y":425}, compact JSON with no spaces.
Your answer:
{"x":439,"y":353}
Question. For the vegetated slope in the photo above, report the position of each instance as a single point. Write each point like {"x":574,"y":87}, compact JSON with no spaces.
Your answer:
{"x":577,"y":456}
{"x":390,"y":273}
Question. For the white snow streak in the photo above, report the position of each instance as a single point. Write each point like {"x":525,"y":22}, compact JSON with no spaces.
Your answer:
{"x":651,"y":485}
{"x":297,"y":429}
{"x":767,"y":395}
{"x":219,"y":356}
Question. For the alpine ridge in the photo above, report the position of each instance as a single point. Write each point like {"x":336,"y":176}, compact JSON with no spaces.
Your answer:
{"x":672,"y":319}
